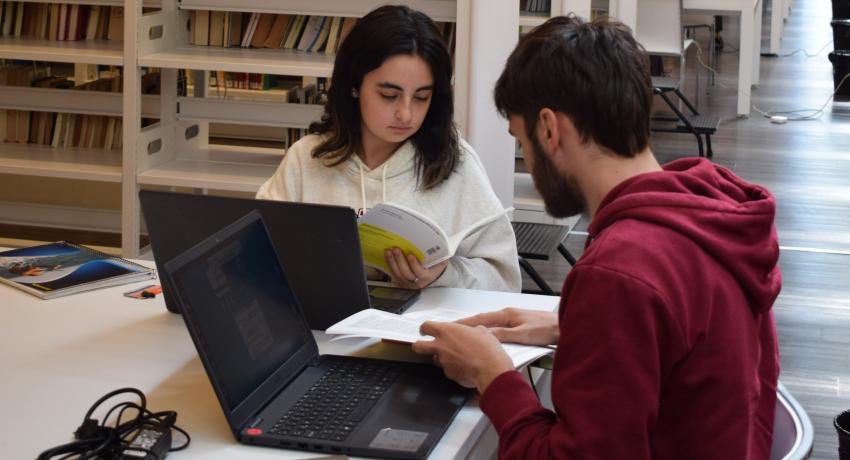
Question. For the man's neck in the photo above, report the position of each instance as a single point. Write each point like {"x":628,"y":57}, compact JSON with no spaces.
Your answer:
{"x":606,"y":171}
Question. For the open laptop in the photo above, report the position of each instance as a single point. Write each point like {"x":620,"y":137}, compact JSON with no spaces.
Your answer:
{"x":264,"y":364}
{"x":319,"y":243}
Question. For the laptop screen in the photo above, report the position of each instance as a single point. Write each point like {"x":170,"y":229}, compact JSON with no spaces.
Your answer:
{"x":244,"y":313}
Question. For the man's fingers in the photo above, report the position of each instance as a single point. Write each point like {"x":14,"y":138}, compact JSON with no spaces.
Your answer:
{"x":490,"y":319}
{"x":424,"y":347}
{"x":506,"y":334}
{"x":431,"y":328}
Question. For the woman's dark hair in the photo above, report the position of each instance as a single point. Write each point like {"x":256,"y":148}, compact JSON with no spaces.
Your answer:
{"x":385,"y":32}
{"x":593,"y":72}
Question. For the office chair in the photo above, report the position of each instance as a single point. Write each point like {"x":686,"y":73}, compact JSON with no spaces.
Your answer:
{"x":793,"y":435}
{"x":537,"y":241}
{"x":692,"y":22}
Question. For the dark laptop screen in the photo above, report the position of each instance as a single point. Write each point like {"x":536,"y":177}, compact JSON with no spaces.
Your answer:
{"x":244,"y":312}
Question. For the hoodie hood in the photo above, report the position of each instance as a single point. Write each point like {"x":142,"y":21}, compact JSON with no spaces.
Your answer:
{"x":731,"y":219}
{"x":400,"y":162}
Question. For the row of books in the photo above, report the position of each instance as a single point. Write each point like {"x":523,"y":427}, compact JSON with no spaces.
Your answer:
{"x":266,"y":30}
{"x":535,"y":6}
{"x":61,"y":21}
{"x":63,"y":129}
{"x":317,"y":34}
{"x":280,"y":88}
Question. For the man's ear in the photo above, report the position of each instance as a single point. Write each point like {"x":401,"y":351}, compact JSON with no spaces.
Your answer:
{"x":548,"y":131}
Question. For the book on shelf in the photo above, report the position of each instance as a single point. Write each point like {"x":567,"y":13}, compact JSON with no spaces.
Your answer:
{"x":333,"y":34}
{"x":389,"y":225}
{"x":405,"y":328}
{"x":200,"y":27}
{"x":295,"y":31}
{"x":312,"y":32}
{"x":217,"y":20}
{"x":278,"y":31}
{"x":261,"y":32}
{"x":58,"y":269}
{"x":116,"y":23}
{"x":233,"y":29}
{"x":347,"y":24}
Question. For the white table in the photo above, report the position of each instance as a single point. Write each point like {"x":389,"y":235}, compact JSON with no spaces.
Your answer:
{"x":59,"y":356}
{"x":778,"y":13}
{"x":750,"y":46}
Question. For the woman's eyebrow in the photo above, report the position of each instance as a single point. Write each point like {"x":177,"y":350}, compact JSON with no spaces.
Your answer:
{"x":388,"y":85}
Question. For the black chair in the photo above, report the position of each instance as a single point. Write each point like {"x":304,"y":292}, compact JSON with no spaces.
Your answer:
{"x":537,"y":241}
{"x":693,"y":123}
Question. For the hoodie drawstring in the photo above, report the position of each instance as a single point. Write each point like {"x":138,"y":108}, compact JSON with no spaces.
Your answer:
{"x":363,"y":185}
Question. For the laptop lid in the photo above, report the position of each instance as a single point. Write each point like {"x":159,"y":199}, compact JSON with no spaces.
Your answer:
{"x":320,"y":240}
{"x":251,"y":341}
{"x":260,"y":355}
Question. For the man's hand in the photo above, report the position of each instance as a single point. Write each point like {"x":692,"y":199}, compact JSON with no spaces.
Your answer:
{"x":516,"y":325}
{"x":471,"y":356}
{"x":409,"y":273}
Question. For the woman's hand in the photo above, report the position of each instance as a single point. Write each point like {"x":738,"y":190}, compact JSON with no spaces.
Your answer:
{"x":409,"y":273}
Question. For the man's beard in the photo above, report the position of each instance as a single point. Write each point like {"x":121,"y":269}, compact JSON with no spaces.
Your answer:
{"x":561,"y":195}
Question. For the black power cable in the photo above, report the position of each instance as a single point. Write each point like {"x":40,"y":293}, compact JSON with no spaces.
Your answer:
{"x":145,"y":436}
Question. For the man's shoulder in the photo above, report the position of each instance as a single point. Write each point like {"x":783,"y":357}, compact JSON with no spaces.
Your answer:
{"x":645,"y":250}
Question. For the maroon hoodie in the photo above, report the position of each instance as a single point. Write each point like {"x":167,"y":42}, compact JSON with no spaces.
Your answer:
{"x":667,"y":346}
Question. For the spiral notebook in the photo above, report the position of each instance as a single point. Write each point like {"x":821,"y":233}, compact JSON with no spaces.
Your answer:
{"x":58,"y":269}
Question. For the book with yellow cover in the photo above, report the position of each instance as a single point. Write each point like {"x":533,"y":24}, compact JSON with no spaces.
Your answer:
{"x":389,"y":225}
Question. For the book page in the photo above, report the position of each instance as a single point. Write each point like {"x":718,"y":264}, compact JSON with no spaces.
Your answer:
{"x":389,"y":326}
{"x":457,"y":238}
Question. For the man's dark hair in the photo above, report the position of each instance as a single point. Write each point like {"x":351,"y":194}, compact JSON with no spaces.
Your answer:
{"x":383,"y":33}
{"x":593,"y":72}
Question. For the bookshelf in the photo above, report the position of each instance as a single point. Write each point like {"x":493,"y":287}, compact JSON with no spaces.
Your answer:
{"x":175,"y":151}
{"x":582,"y":8}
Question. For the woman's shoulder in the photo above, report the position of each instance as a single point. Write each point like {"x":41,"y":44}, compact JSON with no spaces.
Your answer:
{"x":306,"y":145}
{"x":469,"y":161}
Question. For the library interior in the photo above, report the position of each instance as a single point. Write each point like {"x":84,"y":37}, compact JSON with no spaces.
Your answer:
{"x":137,"y":135}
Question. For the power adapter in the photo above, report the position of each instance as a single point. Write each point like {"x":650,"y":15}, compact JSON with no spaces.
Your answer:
{"x":153,"y":438}
{"x":778,"y":119}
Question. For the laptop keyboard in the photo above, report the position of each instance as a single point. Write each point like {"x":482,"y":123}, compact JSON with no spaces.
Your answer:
{"x":333,"y":407}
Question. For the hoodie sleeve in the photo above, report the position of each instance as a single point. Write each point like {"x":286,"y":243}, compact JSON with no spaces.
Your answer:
{"x":486,"y":259}
{"x":607,"y":377}
{"x":285,"y":184}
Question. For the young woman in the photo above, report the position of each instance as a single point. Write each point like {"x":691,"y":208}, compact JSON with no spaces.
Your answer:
{"x":387,"y":135}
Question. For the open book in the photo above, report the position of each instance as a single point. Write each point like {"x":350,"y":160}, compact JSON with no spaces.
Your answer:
{"x":58,"y":269}
{"x":390,"y":225}
{"x":389,"y":326}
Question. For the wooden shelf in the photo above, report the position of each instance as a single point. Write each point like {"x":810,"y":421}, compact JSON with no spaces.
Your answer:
{"x":438,"y":10}
{"x":237,"y":169}
{"x":99,"y":165}
{"x":532,"y":19}
{"x":277,"y":62}
{"x":260,"y":113}
{"x":147,"y":3}
{"x":102,"y":52}
{"x":71,"y":101}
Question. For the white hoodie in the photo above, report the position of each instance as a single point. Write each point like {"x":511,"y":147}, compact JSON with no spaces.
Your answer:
{"x":487,"y":259}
